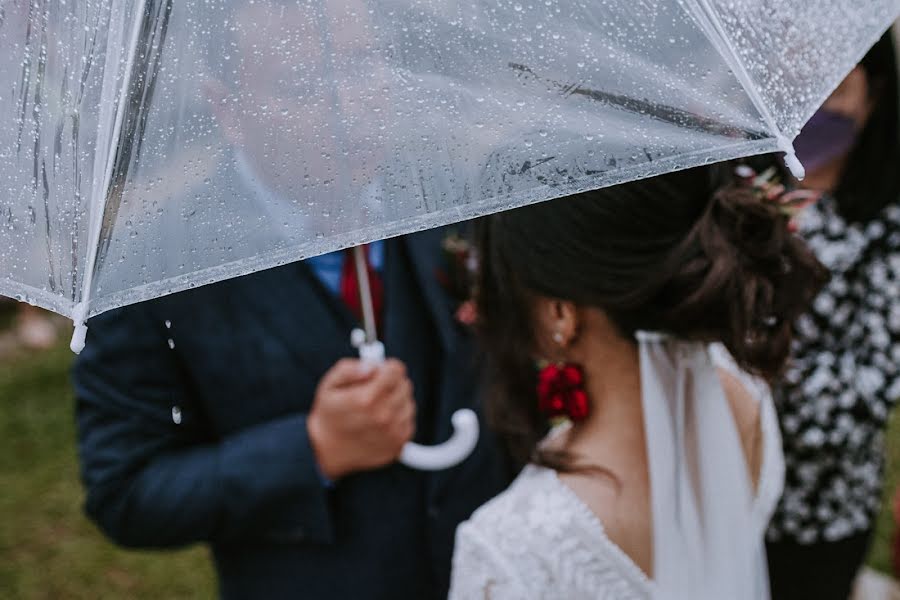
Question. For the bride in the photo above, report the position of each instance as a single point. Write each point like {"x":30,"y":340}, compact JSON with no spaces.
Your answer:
{"x":610,"y":319}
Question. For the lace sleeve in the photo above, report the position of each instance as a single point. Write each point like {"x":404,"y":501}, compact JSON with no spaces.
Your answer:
{"x":480,"y":571}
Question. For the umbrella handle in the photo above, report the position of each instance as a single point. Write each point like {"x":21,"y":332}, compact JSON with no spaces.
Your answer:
{"x":429,"y":458}
{"x":450,"y":453}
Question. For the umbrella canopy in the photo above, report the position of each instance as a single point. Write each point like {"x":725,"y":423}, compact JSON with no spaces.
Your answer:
{"x":149,"y":146}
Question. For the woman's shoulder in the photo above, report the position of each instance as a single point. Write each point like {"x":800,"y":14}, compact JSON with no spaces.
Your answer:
{"x":534,"y":513}
{"x":499,"y":546}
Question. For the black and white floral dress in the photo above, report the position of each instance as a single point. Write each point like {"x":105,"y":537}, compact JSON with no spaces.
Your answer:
{"x":843,"y":380}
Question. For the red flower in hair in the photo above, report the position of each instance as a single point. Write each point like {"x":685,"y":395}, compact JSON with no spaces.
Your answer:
{"x":458,"y":275}
{"x":561,"y":392}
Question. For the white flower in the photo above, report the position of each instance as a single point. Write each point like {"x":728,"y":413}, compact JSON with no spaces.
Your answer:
{"x":894,"y":317}
{"x":838,"y":285}
{"x":874,"y":321}
{"x":893,"y":392}
{"x":847,"y":399}
{"x":893,"y":260}
{"x":824,"y":513}
{"x":835,"y":227}
{"x":807,"y":327}
{"x":824,"y":304}
{"x":791,"y":424}
{"x":878,"y":274}
{"x":807,"y":536}
{"x":844,"y":423}
{"x":869,"y":381}
{"x":842,"y":314}
{"x":836,"y":530}
{"x":813,"y":437}
{"x":818,"y":381}
{"x":892,"y":213}
{"x":875,"y":230}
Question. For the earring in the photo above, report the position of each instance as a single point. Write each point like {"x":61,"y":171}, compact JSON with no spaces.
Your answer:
{"x":558,"y":338}
{"x":560,"y":391}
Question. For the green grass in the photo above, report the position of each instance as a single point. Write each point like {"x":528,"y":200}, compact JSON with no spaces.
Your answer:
{"x":880,"y":557}
{"x":48,"y":549}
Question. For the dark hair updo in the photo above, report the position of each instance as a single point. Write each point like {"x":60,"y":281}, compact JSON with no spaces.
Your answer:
{"x":662,"y":254}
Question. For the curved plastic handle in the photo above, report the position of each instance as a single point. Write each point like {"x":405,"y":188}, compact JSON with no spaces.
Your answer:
{"x":428,"y":458}
{"x":450,"y":453}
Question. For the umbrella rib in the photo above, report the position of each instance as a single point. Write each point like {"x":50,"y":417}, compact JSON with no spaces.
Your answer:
{"x":653,"y":110}
{"x":80,"y":311}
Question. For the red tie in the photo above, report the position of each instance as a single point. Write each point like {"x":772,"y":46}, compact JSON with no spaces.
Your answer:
{"x":350,"y":286}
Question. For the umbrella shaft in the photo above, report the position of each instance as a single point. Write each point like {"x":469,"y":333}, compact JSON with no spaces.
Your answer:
{"x":365,"y":293}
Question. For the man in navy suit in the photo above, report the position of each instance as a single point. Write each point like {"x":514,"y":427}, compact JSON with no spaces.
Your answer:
{"x":235,"y":414}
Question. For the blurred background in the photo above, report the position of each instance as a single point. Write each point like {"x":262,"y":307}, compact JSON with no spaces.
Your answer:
{"x":48,"y":549}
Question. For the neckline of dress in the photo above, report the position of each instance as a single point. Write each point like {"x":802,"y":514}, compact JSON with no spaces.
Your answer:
{"x":630,"y":568}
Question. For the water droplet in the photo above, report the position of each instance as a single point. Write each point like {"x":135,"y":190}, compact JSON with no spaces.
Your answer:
{"x":171,"y":344}
{"x":168,"y":324}
{"x":176,"y":413}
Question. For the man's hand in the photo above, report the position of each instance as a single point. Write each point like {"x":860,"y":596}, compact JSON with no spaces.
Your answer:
{"x":361,"y":416}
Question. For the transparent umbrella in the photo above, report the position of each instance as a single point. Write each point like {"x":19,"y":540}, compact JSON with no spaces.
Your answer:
{"x":150,"y":146}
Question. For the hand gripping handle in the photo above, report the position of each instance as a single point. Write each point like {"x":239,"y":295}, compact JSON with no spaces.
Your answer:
{"x":441,"y":456}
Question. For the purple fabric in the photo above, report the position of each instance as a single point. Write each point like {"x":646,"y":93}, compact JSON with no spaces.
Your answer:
{"x":826,"y":136}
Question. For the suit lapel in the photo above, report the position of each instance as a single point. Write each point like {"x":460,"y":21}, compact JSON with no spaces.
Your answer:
{"x":424,"y":250}
{"x":296,"y":306}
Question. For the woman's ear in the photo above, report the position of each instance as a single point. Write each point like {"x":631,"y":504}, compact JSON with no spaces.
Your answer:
{"x":556,"y":325}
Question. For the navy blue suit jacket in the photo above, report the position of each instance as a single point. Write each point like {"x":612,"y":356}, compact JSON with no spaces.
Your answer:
{"x":191,"y":413}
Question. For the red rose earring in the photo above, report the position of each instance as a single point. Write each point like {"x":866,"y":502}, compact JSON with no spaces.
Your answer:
{"x":560,"y":389}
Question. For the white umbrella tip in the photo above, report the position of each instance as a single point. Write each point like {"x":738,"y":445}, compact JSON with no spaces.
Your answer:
{"x":795,"y":166}
{"x":78,"y":338}
{"x":790,"y":158}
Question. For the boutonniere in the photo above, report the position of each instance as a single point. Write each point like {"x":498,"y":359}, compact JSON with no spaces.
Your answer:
{"x":458,"y":274}
{"x":767,"y":187}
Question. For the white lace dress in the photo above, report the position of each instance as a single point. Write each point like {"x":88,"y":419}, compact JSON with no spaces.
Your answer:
{"x":538,"y":540}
